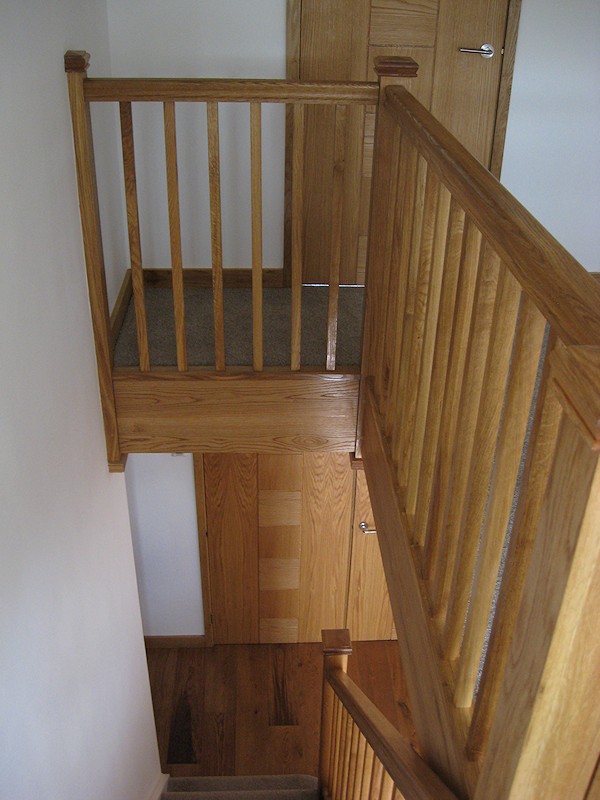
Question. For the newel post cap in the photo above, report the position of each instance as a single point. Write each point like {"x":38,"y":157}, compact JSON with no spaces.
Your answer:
{"x":77,"y":61}
{"x":395,"y":67}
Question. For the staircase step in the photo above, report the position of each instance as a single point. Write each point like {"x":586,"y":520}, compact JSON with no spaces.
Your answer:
{"x":229,"y":787}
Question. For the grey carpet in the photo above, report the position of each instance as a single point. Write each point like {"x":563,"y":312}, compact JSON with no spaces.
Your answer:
{"x":238,"y":328}
{"x":259,"y":787}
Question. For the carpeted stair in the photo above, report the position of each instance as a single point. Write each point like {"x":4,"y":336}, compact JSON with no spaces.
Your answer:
{"x":251,"y":787}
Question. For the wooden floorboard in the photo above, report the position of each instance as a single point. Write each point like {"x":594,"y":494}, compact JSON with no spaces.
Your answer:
{"x":255,"y":709}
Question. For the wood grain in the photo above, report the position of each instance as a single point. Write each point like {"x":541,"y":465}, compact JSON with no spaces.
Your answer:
{"x":216,"y":237}
{"x":201,"y":277}
{"x":117,"y":315}
{"x":203,"y":90}
{"x":203,"y":547}
{"x":369,"y":613}
{"x":175,"y":235}
{"x":438,"y":726}
{"x":328,"y":482}
{"x":232,"y":520}
{"x":133,"y":228}
{"x":279,"y":412}
{"x":336,"y":234}
{"x":398,"y":22}
{"x":550,"y":691}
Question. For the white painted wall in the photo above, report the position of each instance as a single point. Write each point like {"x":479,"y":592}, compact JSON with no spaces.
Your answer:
{"x":76,"y":717}
{"x":160,"y":489}
{"x":203,"y":38}
{"x":552,"y":156}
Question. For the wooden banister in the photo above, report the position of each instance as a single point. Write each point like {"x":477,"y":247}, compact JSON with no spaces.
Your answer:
{"x":224,"y":90}
{"x":400,"y":768}
{"x":559,"y":286}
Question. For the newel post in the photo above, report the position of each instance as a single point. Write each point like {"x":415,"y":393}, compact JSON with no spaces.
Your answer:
{"x":76,"y":65}
{"x":390,"y":71}
{"x":336,"y":649}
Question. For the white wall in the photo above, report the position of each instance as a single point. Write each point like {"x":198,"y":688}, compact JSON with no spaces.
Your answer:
{"x":552,"y":156}
{"x":76,"y":717}
{"x":203,"y":38}
{"x":160,"y":490}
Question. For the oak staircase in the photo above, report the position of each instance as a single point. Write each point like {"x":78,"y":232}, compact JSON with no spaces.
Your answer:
{"x":478,"y":425}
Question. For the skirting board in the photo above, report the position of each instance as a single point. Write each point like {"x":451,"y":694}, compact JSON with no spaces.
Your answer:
{"x":153,"y":642}
{"x":159,"y":787}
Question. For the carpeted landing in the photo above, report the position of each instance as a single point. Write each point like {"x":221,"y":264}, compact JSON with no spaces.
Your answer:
{"x":238,"y":327}
{"x":252,"y":787}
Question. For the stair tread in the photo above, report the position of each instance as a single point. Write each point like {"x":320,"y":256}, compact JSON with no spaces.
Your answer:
{"x":238,"y":783}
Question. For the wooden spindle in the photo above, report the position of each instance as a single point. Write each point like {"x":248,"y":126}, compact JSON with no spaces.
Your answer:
{"x":339,"y":774}
{"x":361,"y":765}
{"x":336,"y":649}
{"x":216,"y":237}
{"x":491,"y":401}
{"x":445,"y":257}
{"x":257,"y":248}
{"x":387,"y":787}
{"x":133,"y":228}
{"x":414,"y":332}
{"x":524,"y":367}
{"x":346,"y":765}
{"x":297,"y":235}
{"x":175,"y":235}
{"x":468,"y":394}
{"x":406,"y":202}
{"x":337,"y":208}
{"x":462,"y":314}
{"x":540,"y":455}
{"x":76,"y":64}
{"x":367,"y":773}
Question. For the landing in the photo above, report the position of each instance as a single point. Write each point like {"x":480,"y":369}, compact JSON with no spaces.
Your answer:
{"x":255,"y":709}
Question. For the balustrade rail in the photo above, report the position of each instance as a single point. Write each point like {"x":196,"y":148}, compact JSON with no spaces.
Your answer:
{"x":481,"y":398}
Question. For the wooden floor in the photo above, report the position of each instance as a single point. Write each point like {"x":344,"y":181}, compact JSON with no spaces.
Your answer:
{"x":255,"y":709}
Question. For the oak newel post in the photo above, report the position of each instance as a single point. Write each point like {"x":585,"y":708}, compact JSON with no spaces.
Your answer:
{"x":336,"y":649}
{"x":76,"y":64}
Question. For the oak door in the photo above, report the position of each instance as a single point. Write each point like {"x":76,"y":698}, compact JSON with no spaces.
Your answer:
{"x":339,"y":40}
{"x":285,"y":556}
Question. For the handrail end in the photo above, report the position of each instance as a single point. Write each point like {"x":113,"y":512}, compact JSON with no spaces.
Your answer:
{"x":77,"y":61}
{"x":336,"y":642}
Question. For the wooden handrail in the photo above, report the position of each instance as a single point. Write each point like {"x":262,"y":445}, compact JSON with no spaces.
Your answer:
{"x":406,"y":768}
{"x":560,"y":287}
{"x":229,"y":90}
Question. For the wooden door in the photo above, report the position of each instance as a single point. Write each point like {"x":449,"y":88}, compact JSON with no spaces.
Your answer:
{"x":369,"y":610}
{"x":278,"y":534}
{"x":339,"y":39}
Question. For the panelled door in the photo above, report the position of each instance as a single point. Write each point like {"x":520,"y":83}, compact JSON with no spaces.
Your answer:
{"x":467,"y":92}
{"x":285,"y":555}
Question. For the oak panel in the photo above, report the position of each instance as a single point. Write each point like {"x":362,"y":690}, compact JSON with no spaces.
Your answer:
{"x":402,"y":22}
{"x":274,"y":413}
{"x":232,"y":517}
{"x":369,"y":611}
{"x":328,"y":482}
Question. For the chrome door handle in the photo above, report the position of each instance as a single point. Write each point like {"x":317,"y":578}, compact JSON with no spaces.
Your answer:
{"x":485,"y":51}
{"x":364,"y":526}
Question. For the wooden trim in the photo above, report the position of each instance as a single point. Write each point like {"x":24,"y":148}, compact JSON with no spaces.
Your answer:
{"x":576,"y":372}
{"x":562,"y":289}
{"x":292,"y":73}
{"x":505,"y":87}
{"x":440,"y":727}
{"x":117,"y":315}
{"x":198,"y":411}
{"x":201,"y":277}
{"x":203,"y":548}
{"x":224,"y":90}
{"x":336,"y":234}
{"x":92,"y":247}
{"x":171,"y":642}
{"x":410,"y":773}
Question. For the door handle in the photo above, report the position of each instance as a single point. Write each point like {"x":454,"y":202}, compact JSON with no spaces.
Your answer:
{"x":485,"y":51}
{"x":364,"y":526}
